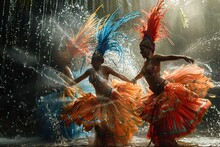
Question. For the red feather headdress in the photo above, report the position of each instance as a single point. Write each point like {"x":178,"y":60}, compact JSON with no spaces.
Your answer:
{"x":152,"y":28}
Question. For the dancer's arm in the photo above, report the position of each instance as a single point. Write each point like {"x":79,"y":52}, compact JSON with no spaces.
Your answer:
{"x":67,"y":71}
{"x":174,"y":57}
{"x":139,"y":75}
{"x":82,"y":77}
{"x":116,"y":74}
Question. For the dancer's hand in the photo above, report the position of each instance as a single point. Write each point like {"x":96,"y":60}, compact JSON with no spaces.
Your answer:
{"x":72,"y":83}
{"x":134,"y":81}
{"x":68,"y":91}
{"x":188,"y":59}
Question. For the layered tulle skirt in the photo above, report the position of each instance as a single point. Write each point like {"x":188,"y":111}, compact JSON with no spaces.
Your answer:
{"x":180,"y":107}
{"x":112,"y":116}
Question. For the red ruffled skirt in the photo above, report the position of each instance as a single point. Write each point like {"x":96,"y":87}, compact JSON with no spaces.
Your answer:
{"x":114,"y":115}
{"x":180,"y":107}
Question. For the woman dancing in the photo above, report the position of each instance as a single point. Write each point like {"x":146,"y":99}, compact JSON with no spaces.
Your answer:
{"x":174,"y":104}
{"x":49,"y":106}
{"x":111,"y":111}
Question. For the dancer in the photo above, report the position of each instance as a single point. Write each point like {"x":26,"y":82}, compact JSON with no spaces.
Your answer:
{"x":174,"y":104}
{"x":78,"y":46}
{"x":49,"y":106}
{"x":111,"y":111}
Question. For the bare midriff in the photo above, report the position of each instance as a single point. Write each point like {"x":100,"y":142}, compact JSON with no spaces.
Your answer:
{"x":156,"y":83}
{"x":101,"y":85}
{"x":102,"y":89}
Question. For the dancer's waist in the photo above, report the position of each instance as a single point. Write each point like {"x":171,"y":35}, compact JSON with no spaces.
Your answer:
{"x":159,"y":87}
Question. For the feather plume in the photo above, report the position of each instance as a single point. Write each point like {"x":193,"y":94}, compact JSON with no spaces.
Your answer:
{"x":79,"y":44}
{"x":154,"y":25}
{"x":106,"y":35}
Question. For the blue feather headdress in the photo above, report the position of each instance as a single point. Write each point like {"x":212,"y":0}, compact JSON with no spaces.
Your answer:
{"x":106,"y":36}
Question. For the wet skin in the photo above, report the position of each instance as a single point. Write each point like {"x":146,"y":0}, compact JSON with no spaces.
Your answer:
{"x":151,"y":67}
{"x":100,"y":73}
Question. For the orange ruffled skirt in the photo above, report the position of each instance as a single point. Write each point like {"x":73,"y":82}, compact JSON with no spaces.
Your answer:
{"x":180,"y":107}
{"x":114,"y":115}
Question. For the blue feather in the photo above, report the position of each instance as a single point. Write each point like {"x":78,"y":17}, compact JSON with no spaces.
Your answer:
{"x":106,"y":36}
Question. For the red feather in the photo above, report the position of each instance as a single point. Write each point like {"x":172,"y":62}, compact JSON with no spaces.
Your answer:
{"x":154,"y":25}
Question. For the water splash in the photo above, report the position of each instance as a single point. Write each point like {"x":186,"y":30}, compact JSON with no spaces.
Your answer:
{"x":206,"y":50}
{"x":33,"y":33}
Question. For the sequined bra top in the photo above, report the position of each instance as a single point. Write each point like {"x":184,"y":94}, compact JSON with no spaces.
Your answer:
{"x":151,"y":71}
{"x":96,"y":79}
{"x":99,"y":82}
